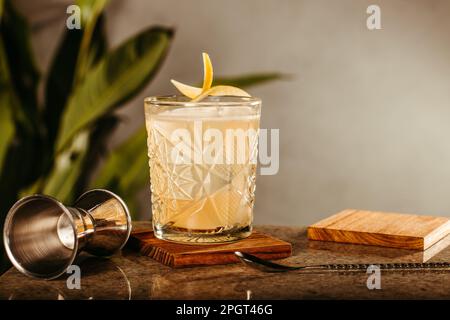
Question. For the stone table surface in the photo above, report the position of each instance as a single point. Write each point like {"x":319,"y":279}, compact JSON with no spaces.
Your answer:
{"x":129,"y":275}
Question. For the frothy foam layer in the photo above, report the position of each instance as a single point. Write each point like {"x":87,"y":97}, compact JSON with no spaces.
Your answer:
{"x":210,"y":114}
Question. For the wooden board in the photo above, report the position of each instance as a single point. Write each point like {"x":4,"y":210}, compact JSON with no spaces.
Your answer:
{"x":394,"y":230}
{"x":185,"y":255}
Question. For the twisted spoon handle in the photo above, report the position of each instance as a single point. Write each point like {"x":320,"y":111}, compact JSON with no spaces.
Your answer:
{"x":382,"y":266}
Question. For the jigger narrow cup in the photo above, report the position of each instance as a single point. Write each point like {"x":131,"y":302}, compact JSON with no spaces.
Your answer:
{"x":43,"y":237}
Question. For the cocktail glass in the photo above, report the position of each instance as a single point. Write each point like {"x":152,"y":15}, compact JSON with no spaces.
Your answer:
{"x":202,"y":158}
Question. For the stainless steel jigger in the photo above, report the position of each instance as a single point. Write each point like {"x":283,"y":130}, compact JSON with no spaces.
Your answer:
{"x":43,"y":237}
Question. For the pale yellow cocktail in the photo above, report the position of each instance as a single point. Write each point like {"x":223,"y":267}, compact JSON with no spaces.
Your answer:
{"x":202,"y":166}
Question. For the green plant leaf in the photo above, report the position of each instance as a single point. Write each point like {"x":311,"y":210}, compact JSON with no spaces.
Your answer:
{"x":248,"y":80}
{"x":18,"y":146}
{"x":67,"y":169}
{"x":21,"y":167}
{"x":116,"y":78}
{"x":97,"y":149}
{"x":124,"y":167}
{"x":125,"y":171}
{"x":24,"y":75}
{"x":60,"y":80}
{"x":8,"y":102}
{"x":62,"y":73}
{"x":2,"y":5}
{"x":86,"y":46}
{"x":6,"y":124}
{"x":90,"y":12}
{"x":99,"y":43}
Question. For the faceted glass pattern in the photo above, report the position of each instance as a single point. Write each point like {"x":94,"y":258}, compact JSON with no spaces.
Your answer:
{"x":197,"y":198}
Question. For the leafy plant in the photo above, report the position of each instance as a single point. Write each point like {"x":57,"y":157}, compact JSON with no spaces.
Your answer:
{"x":53,"y":146}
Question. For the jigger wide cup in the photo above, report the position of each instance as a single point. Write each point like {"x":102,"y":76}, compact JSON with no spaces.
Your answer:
{"x":43,"y":237}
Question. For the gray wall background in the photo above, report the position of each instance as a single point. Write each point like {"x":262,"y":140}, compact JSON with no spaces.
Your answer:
{"x":365,"y":120}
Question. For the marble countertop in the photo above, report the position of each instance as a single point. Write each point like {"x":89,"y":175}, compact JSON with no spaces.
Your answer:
{"x":129,"y":275}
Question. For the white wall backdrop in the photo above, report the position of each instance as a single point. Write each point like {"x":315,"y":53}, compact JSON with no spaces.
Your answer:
{"x":365,"y":119}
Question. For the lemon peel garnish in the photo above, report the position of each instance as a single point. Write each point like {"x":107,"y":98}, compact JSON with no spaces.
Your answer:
{"x":188,"y":91}
{"x":207,"y":72}
{"x":197,"y":94}
{"x":221,"y":91}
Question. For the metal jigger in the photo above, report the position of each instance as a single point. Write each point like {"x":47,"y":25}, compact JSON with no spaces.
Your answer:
{"x":43,"y":237}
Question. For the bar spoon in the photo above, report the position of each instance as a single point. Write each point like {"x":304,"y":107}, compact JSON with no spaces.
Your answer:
{"x":269,"y":266}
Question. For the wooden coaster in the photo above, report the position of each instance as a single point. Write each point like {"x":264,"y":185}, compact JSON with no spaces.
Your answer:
{"x":394,"y":230}
{"x":183,"y":255}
